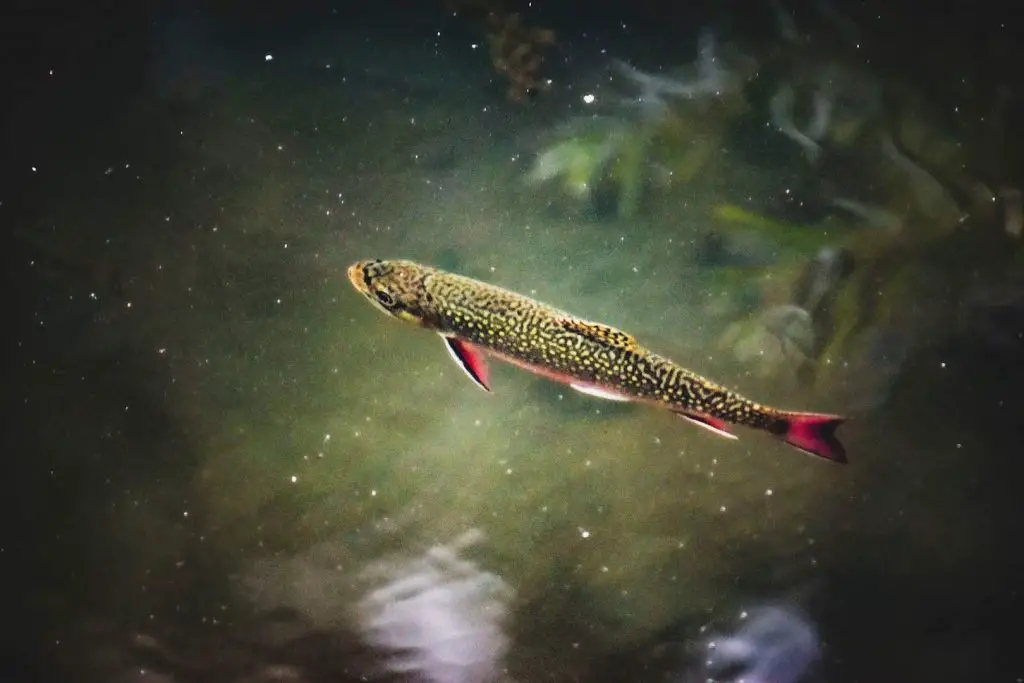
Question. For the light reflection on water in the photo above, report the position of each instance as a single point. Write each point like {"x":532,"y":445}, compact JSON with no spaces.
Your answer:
{"x":440,"y":616}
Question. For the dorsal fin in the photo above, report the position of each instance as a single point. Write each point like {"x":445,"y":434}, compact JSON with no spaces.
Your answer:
{"x":600,"y":333}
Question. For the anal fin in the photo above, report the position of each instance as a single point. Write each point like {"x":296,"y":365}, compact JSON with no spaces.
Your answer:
{"x":715,"y":426}
{"x":470,"y":359}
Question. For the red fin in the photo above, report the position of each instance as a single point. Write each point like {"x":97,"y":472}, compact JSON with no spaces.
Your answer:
{"x":815,"y":434}
{"x":717,"y":427}
{"x":471,"y":360}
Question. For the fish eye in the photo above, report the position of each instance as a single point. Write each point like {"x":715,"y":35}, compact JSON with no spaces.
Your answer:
{"x":385,"y":299}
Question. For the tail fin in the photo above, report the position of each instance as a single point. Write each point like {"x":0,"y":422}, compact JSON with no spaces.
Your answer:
{"x":814,"y":433}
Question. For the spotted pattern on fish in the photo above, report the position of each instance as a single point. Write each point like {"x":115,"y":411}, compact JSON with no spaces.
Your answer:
{"x":540,"y":337}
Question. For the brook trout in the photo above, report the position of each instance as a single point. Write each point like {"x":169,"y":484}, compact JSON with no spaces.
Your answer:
{"x":475,"y":318}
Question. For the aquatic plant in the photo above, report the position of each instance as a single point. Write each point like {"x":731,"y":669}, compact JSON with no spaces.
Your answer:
{"x":781,"y":337}
{"x":654,"y":94}
{"x":515,"y":48}
{"x":731,"y":219}
{"x":874,"y":304}
{"x":579,"y":157}
{"x":874,"y":151}
{"x":786,"y":333}
{"x":824,"y":103}
{"x":648,"y":125}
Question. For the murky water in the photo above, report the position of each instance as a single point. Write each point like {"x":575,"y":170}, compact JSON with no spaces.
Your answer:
{"x":219,"y":452}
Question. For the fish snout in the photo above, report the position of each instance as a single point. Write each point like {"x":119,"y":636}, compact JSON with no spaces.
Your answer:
{"x":357,"y":276}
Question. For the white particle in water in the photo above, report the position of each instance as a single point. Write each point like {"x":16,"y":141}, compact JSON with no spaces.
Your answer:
{"x":294,"y":478}
{"x":584,"y":533}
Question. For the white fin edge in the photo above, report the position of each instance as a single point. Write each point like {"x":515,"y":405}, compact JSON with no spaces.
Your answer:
{"x":598,"y":392}
{"x":711,"y":428}
{"x":461,"y":362}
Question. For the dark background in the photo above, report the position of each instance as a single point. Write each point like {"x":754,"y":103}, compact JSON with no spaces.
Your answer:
{"x":101,"y":52}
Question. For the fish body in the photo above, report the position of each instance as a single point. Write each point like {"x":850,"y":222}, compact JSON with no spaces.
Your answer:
{"x":475,"y":318}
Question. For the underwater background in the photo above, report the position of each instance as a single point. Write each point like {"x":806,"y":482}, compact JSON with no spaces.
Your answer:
{"x":224,"y":466}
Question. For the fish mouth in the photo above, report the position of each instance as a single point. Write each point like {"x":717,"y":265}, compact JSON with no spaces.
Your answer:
{"x":357,"y":276}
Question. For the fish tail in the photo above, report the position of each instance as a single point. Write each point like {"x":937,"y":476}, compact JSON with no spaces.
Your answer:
{"x":813,"y":433}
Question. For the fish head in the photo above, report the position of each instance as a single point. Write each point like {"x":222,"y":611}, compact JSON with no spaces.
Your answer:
{"x":396,"y":287}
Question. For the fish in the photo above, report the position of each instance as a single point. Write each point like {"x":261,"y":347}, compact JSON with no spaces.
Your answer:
{"x":477,"y":319}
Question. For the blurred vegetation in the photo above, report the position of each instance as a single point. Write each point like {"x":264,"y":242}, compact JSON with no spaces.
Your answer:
{"x":516,"y":49}
{"x":877,"y":195}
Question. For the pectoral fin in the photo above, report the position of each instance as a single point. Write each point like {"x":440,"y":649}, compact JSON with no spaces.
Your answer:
{"x":471,"y":360}
{"x":717,"y":427}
